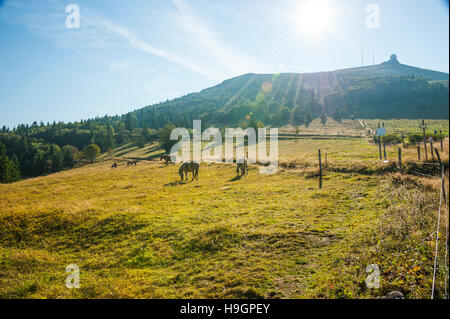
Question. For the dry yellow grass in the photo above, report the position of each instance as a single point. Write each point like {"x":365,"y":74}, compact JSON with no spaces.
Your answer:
{"x":137,"y":232}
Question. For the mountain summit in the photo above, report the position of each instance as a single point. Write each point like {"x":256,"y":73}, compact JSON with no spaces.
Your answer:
{"x":394,"y":67}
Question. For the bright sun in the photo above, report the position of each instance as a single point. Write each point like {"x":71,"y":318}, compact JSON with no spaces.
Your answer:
{"x":314,"y":17}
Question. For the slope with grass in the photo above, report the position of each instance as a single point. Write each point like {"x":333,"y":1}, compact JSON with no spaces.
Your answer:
{"x":138,"y":232}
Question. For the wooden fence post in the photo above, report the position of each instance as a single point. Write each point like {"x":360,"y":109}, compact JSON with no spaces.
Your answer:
{"x":384,"y":148}
{"x":442,"y":140}
{"x":400,"y":158}
{"x":379,"y":146}
{"x":320,"y":170}
{"x":379,"y":142}
{"x":423,"y":126}
{"x":438,"y":157}
{"x":441,"y":166}
{"x":425,"y":147}
{"x":326,"y":160}
{"x":432,"y":148}
{"x":418,"y":152}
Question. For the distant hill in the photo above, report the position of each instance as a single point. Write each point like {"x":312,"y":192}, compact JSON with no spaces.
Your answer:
{"x":386,"y":90}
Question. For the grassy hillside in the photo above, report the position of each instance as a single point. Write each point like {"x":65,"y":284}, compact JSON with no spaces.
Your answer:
{"x":386,"y":90}
{"x":139,"y":232}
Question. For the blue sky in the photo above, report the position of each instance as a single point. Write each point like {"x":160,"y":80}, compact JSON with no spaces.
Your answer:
{"x":129,"y":54}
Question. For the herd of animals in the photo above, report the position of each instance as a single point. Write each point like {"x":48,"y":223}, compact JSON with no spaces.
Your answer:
{"x":132,"y":162}
{"x":191,"y":167}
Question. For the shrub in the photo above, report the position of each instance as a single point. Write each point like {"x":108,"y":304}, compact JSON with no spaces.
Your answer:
{"x":389,"y":139}
{"x":417,"y":138}
{"x":91,"y":152}
{"x":69,"y":155}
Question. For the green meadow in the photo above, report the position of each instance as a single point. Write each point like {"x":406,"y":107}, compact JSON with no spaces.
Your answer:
{"x":139,"y":232}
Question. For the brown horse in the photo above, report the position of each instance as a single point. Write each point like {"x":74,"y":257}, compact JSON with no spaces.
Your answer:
{"x":114,"y":166}
{"x":167,"y":158}
{"x":132,"y":162}
{"x":242,"y":167}
{"x":189,"y":167}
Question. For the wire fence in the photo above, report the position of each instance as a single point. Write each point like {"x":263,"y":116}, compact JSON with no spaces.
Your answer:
{"x":446,"y":251}
{"x":443,"y":202}
{"x":437,"y":235}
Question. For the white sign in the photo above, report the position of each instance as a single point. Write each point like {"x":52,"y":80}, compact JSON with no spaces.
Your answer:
{"x":423,"y":126}
{"x":381,"y":131}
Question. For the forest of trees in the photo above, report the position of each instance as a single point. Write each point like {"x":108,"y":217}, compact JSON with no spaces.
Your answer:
{"x":37,"y":149}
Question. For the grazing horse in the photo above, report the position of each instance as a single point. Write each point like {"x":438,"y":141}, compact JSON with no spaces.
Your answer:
{"x":242,"y":167}
{"x":189,"y":167}
{"x":132,"y":162}
{"x":167,"y":158}
{"x":114,"y":166}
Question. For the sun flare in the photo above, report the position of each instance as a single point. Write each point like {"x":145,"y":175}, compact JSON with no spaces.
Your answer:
{"x":314,"y":17}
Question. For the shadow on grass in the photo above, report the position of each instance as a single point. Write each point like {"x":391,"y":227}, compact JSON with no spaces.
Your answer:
{"x":236,"y":178}
{"x":175,"y":183}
